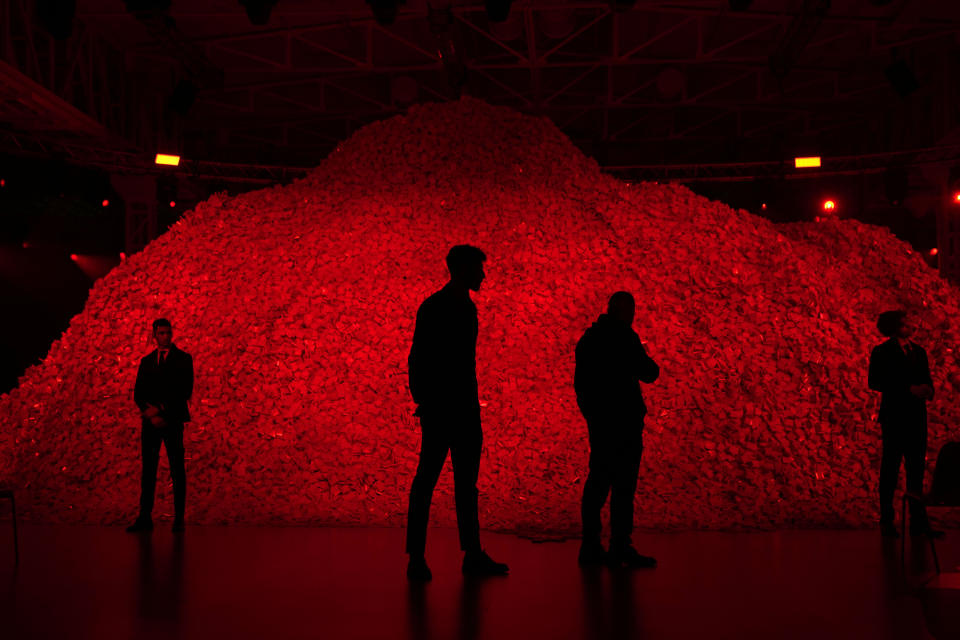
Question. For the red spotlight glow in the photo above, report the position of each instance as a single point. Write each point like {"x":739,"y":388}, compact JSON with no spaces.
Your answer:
{"x":74,"y":257}
{"x":105,"y":202}
{"x":764,"y":206}
{"x":123,"y":256}
{"x":172,"y":204}
{"x":3,"y":182}
{"x":934,"y":251}
{"x":829,"y":206}
{"x":956,"y":197}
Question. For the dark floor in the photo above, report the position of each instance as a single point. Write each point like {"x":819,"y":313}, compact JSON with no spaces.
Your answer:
{"x":239,"y":582}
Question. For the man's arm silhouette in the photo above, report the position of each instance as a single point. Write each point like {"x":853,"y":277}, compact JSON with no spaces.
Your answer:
{"x":643,"y":366}
{"x":138,"y":388}
{"x":878,"y":377}
{"x":420,"y":352}
{"x":927,"y":379}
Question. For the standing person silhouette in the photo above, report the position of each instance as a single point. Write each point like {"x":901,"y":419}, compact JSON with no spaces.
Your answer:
{"x":611,"y":362}
{"x":899,"y":370}
{"x":443,"y":382}
{"x":164,"y":385}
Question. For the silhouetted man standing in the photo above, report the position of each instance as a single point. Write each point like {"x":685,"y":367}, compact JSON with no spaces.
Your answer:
{"x":164,"y":385}
{"x":443,"y":382}
{"x":611,"y":363}
{"x":900,"y":371}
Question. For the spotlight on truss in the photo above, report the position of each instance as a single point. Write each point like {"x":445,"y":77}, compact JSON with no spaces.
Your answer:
{"x":56,"y":16}
{"x":385,"y":11}
{"x":498,"y":10}
{"x":258,"y":10}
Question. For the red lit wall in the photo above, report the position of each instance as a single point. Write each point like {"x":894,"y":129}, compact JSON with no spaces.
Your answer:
{"x":298,"y":303}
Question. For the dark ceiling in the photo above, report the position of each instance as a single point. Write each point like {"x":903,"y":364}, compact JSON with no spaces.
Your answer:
{"x":664,"y":82}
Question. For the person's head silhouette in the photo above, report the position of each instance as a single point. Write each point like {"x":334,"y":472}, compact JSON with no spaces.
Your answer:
{"x":162,"y":332}
{"x":895,"y":324}
{"x":465,"y":263}
{"x":622,"y":307}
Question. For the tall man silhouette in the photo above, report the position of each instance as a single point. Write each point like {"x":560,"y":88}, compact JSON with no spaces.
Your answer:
{"x":900,"y":371}
{"x":443,"y":382}
{"x":610,"y":364}
{"x":164,"y":385}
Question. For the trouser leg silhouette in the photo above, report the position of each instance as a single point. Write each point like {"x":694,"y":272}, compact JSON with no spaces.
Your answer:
{"x":173,"y":442}
{"x":614,"y":467}
{"x":463,"y":438}
{"x":911,"y":447}
{"x":622,"y":494}
{"x":151,"y":438}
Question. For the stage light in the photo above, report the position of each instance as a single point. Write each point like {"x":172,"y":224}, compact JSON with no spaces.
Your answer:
{"x":163,"y":158}
{"x":172,"y":204}
{"x":896,"y":185}
{"x":764,"y":206}
{"x":148,"y":6}
{"x":934,"y":251}
{"x":56,"y":16}
{"x":829,"y":206}
{"x":3,"y":182}
{"x":105,"y":203}
{"x":901,"y":78}
{"x":183,"y":96}
{"x":123,"y":256}
{"x":384,"y":11}
{"x":806,"y":163}
{"x":956,"y":197}
{"x":74,"y":257}
{"x":498,"y":10}
{"x":258,"y":10}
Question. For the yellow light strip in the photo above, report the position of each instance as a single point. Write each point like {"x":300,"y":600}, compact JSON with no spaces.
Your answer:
{"x":163,"y":158}
{"x":806,"y":163}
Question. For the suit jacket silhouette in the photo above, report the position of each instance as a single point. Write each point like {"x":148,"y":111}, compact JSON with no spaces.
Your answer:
{"x":892,"y":372}
{"x":167,"y":386}
{"x":443,"y":358}
{"x":611,"y":363}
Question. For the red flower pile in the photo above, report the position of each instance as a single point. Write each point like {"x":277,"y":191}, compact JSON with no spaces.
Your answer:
{"x":298,"y":304}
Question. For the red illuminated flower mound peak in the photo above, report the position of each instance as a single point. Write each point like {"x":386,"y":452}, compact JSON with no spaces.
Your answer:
{"x":464,"y":140}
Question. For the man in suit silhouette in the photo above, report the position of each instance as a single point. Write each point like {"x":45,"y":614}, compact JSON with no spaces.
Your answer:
{"x":164,"y":385}
{"x":899,"y":370}
{"x":610,"y":364}
{"x":443,"y":383}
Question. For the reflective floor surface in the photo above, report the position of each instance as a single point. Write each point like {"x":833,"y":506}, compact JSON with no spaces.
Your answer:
{"x":239,"y":582}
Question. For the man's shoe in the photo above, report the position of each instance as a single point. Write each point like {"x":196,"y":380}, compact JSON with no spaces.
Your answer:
{"x":628,"y":557}
{"x":887,"y":530}
{"x":478,"y":563}
{"x":140,"y":525}
{"x":178,"y":525}
{"x":592,"y":553}
{"x":926,"y":531}
{"x":418,"y":571}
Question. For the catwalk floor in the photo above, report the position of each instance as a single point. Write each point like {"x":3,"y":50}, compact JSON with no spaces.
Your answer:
{"x":240,"y":582}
